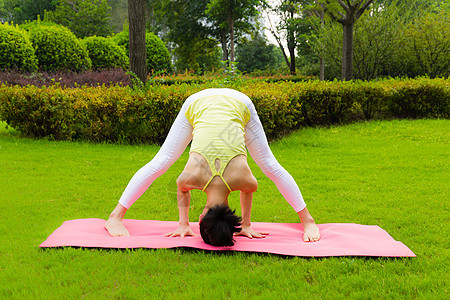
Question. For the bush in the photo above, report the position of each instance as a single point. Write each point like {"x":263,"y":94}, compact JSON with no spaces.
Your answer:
{"x":57,"y":48}
{"x":421,"y":98}
{"x":158,"y":57}
{"x":120,"y":114}
{"x":105,"y":53}
{"x":16,"y":51}
{"x":92,"y":113}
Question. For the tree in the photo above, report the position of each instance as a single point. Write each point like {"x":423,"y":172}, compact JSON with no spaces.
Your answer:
{"x":319,"y":13}
{"x":188,"y":29}
{"x":426,"y":45}
{"x":393,"y":40}
{"x":345,"y":12}
{"x":84,"y":17}
{"x":228,"y":14}
{"x":138,"y":53}
{"x":256,"y":55}
{"x":289,"y":14}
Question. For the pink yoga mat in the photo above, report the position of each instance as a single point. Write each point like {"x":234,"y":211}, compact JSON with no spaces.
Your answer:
{"x":283,"y":238}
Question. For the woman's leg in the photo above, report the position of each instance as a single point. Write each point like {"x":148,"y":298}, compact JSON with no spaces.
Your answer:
{"x":258,"y":147}
{"x":178,"y":138}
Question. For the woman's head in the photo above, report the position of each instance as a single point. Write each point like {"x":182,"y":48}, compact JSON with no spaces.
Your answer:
{"x":218,"y":226}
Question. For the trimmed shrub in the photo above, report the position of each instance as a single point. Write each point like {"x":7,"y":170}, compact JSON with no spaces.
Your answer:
{"x":121,"y":114}
{"x":421,"y":98}
{"x":16,"y":51}
{"x":105,"y":53}
{"x":57,"y":48}
{"x":158,"y":57}
{"x":92,"y":113}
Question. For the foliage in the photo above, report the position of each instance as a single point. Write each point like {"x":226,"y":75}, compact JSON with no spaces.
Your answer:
{"x":424,"y":98}
{"x":226,"y":15}
{"x":57,"y":48}
{"x":345,"y":13}
{"x":119,"y":14}
{"x":116,"y":114}
{"x":190,"y":77}
{"x":18,"y":12}
{"x":93,"y":113}
{"x":289,"y":27}
{"x":119,"y":77}
{"x":201,"y":25}
{"x":205,"y":58}
{"x":16,"y":51}
{"x":158,"y":57}
{"x":66,"y":79}
{"x":256,"y":54}
{"x":308,"y":62}
{"x":374,"y":42}
{"x":105,"y":53}
{"x":426,"y":45}
{"x":84,"y":17}
{"x":390,"y":41}
{"x":187,"y":30}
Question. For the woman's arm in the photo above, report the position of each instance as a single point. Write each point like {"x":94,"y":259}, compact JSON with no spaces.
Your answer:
{"x":246,"y":208}
{"x":184,"y":200}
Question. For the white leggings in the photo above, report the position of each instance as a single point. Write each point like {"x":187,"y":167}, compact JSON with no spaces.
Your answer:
{"x":180,"y":135}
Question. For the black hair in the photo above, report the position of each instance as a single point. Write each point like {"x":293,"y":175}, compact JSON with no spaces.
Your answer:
{"x":218,"y":226}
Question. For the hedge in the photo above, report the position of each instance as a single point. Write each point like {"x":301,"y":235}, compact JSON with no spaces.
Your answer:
{"x":119,"y":114}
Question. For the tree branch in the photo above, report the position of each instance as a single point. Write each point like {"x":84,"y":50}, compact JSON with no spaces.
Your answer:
{"x":362,"y":9}
{"x":340,"y":20}
{"x":280,"y":44}
{"x":344,"y":6}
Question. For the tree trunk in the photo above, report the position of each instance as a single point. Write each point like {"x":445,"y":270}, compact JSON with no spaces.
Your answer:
{"x":292,"y":56}
{"x":291,"y":48}
{"x":322,"y":70}
{"x":138,"y":53}
{"x":231,"y":22}
{"x":347,"y":52}
{"x":223,"y":40}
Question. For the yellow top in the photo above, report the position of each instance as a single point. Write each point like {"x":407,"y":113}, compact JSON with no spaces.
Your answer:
{"x":218,"y":133}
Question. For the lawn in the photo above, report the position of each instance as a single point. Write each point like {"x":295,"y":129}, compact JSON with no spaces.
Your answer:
{"x":394,"y":174}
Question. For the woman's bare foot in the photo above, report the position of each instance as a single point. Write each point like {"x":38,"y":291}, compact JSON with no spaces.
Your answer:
{"x":311,"y":232}
{"x":116,"y":228}
{"x":310,"y":229}
{"x":114,"y":225}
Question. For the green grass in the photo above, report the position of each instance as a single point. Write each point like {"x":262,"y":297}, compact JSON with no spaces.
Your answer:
{"x":392,"y":174}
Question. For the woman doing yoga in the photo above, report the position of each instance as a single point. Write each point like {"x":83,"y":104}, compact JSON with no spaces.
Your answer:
{"x":221,"y":123}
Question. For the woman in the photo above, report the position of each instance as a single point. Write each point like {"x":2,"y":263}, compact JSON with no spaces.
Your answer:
{"x":221,"y":123}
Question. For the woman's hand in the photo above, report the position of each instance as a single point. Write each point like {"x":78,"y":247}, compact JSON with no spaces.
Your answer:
{"x":250,"y":233}
{"x":182,"y":231}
